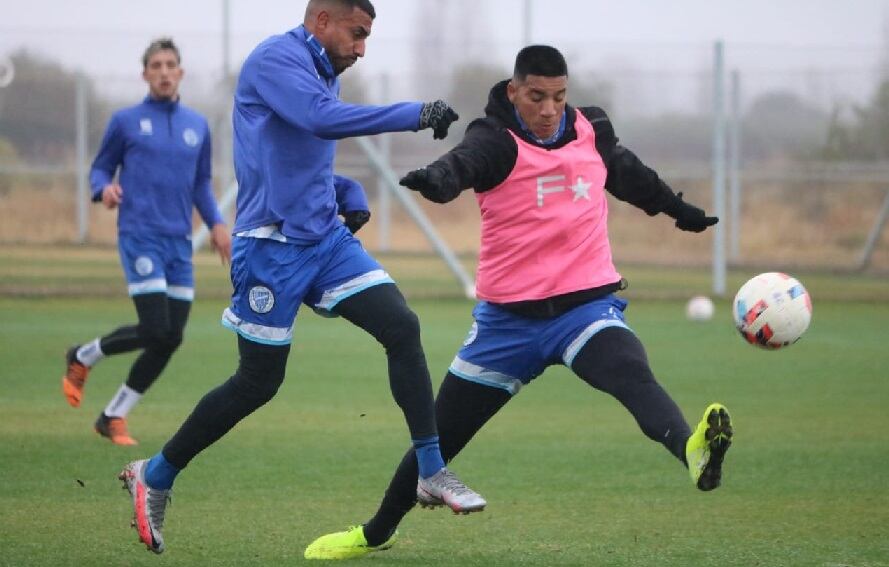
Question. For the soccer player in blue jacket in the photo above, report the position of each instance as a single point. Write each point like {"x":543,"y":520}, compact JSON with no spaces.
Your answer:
{"x":161,"y":150}
{"x":291,"y":248}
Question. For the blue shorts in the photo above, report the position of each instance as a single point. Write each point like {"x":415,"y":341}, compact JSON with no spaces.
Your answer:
{"x":271,"y":278}
{"x":507,"y":351}
{"x":157,"y":264}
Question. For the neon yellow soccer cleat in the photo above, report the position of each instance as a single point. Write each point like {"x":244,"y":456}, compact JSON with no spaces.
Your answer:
{"x":706,"y":447}
{"x":345,"y":545}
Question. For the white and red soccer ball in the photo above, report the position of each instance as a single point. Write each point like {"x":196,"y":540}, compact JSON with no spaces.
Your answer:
{"x":772,"y":310}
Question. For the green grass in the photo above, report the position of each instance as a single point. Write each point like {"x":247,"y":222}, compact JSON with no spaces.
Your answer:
{"x":569,"y":478}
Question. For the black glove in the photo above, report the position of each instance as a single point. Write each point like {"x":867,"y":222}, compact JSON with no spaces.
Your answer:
{"x":438,"y":116}
{"x":432,"y":183}
{"x":354,"y":220}
{"x":689,"y":217}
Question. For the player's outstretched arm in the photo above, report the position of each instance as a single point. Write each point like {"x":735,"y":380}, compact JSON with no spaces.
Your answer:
{"x":286,"y":81}
{"x":434,"y":182}
{"x":482,"y":161}
{"x":632,"y":181}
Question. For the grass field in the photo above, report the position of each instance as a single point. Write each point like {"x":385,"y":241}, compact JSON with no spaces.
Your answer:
{"x":569,"y":478}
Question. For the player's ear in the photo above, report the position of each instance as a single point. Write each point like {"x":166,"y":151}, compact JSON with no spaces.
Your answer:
{"x":322,"y":20}
{"x":511,"y":90}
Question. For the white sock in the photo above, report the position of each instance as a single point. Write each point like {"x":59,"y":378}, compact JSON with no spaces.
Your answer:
{"x":123,"y":401}
{"x":90,"y":353}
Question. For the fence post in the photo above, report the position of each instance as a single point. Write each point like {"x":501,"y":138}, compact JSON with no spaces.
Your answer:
{"x":81,"y":130}
{"x":874,"y":237}
{"x":735,"y":188}
{"x":719,"y":169}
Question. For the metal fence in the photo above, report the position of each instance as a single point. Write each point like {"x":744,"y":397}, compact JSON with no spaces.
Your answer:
{"x":799,"y":204}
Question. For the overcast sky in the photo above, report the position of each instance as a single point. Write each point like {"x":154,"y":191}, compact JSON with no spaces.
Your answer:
{"x":779,"y":37}
{"x":63,"y":28}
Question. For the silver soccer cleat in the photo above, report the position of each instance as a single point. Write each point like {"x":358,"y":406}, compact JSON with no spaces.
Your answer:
{"x":149,"y":505}
{"x":444,"y":488}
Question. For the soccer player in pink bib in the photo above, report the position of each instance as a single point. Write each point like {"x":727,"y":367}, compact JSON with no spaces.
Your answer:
{"x":546,"y":281}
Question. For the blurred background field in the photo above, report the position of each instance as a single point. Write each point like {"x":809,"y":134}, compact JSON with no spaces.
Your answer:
{"x":807,"y":115}
{"x":94,"y":271}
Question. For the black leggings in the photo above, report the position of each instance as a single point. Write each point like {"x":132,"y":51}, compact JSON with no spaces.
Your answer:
{"x":380,"y":310}
{"x":162,"y":321}
{"x":613,"y":361}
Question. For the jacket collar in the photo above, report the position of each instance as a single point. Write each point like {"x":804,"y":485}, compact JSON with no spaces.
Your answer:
{"x":167,"y":105}
{"x":319,"y":54}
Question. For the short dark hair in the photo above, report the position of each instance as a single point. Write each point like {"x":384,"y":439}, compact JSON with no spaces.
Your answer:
{"x":363,"y":5}
{"x":541,"y":60}
{"x":160,"y":44}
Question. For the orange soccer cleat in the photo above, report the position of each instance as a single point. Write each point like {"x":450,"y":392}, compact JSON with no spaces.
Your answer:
{"x":115,"y":429}
{"x":75,"y":377}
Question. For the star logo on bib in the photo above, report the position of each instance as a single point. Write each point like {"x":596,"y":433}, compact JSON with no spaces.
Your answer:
{"x":581,"y":189}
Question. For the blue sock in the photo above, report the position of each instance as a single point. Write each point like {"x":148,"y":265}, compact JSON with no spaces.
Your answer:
{"x":428,"y":456}
{"x":159,"y":473}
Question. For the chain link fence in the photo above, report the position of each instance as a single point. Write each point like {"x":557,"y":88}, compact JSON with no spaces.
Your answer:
{"x":812,"y":186}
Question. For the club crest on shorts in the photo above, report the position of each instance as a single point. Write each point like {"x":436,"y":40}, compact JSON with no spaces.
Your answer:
{"x":261,"y":299}
{"x":190,"y":137}
{"x":144,"y":265}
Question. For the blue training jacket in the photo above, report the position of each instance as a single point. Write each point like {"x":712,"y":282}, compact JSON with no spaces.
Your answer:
{"x":163,"y":151}
{"x":287,"y":118}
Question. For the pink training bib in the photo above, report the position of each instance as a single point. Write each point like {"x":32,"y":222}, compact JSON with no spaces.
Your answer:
{"x":545,"y":228}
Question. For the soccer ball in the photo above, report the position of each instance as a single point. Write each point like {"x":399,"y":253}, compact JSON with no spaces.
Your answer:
{"x":772,"y":310}
{"x":699,"y":308}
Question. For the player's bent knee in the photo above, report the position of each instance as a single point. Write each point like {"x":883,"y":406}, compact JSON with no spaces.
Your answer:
{"x":401,"y":331}
{"x":160,"y":339}
{"x":260,"y":370}
{"x":407,"y":323}
{"x":256,"y":386}
{"x":172,"y":341}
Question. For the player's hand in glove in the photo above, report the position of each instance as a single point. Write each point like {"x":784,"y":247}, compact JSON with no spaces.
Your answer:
{"x":437,"y":115}
{"x":433,"y":183}
{"x":354,"y":220}
{"x":689,"y":217}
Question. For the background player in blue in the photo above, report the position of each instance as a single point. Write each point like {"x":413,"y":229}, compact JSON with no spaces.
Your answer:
{"x":291,"y":247}
{"x":162,"y":152}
